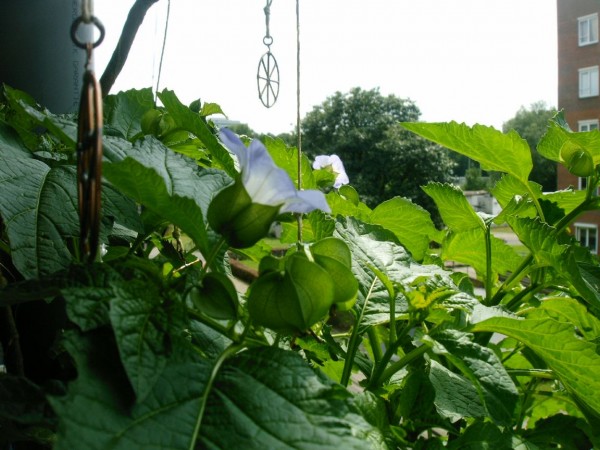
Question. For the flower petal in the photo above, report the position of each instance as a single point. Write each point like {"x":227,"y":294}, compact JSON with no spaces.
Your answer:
{"x":235,"y":145}
{"x":306,"y":201}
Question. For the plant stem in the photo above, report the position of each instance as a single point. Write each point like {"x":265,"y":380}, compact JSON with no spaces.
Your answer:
{"x":535,"y":373}
{"x":353,"y":344}
{"x":511,"y":279}
{"x":389,"y":352}
{"x":229,"y":351}
{"x":405,"y":360}
{"x":488,"y":263}
{"x":211,"y":323}
{"x":375,"y":344}
{"x":117,"y":61}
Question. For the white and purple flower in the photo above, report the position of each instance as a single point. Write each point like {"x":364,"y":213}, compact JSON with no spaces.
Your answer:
{"x":244,"y":211}
{"x":333,"y":164}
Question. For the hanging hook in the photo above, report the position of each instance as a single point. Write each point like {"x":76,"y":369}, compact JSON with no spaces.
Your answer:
{"x":89,"y":142}
{"x":89,"y":163}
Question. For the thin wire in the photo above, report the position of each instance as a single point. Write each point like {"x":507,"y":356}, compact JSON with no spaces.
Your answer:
{"x":162,"y":52}
{"x":299,"y":134}
{"x":87,"y":10}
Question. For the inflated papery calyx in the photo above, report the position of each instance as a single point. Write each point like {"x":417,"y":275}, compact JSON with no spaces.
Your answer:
{"x":294,"y":299}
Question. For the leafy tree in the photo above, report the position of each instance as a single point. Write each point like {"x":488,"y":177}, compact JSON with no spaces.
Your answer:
{"x":381,"y":160}
{"x":531,"y":123}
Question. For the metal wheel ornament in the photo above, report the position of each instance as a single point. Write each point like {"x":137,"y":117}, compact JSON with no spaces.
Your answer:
{"x":267,"y":79}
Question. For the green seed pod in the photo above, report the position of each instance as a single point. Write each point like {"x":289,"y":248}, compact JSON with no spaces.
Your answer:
{"x":216,"y":297}
{"x":293,"y":300}
{"x":334,"y":256}
{"x":577,"y":160}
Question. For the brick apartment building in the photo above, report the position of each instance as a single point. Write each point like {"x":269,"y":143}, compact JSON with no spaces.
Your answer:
{"x":578,"y":90}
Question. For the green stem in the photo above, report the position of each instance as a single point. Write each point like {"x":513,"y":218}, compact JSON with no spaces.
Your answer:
{"x":229,"y":351}
{"x":402,"y":362}
{"x":375,"y":344}
{"x":511,"y":279}
{"x":211,"y":324}
{"x":213,"y":254}
{"x":353,"y":344}
{"x":389,"y":352}
{"x":393,"y":337}
{"x":535,"y":373}
{"x":488,"y":263}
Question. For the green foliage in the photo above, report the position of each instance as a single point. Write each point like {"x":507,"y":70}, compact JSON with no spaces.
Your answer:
{"x":357,"y":337}
{"x":531,"y":123}
{"x":381,"y":159}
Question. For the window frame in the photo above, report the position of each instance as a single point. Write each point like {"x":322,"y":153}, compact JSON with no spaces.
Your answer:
{"x":593,"y":88}
{"x":586,"y":226}
{"x":587,"y":123}
{"x":590,"y":21}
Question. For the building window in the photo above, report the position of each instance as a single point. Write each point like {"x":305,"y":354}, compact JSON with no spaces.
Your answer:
{"x":583,"y":185}
{"x":588,"y":29}
{"x":588,"y":125}
{"x":587,"y":235}
{"x":588,"y":82}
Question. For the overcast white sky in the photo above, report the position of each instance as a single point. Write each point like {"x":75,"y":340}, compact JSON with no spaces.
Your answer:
{"x":473,"y":61}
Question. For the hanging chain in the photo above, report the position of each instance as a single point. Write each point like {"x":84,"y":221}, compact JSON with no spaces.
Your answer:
{"x":267,"y":76}
{"x":89,"y":142}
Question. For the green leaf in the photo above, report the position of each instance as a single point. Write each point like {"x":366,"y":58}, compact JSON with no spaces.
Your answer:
{"x":508,"y":153}
{"x":457,"y":213}
{"x":468,"y":247}
{"x":10,"y":144}
{"x":411,"y":224}
{"x":305,"y":410}
{"x":188,"y":120}
{"x":483,"y":435}
{"x":22,"y":401}
{"x":575,"y":361}
{"x":208,"y":109}
{"x":38,"y":206}
{"x":559,"y":141}
{"x":483,"y":368}
{"x":374,"y":246}
{"x":123,"y":112}
{"x":166,"y":183}
{"x":98,"y":410}
{"x":342,"y":206}
{"x":143,"y":325}
{"x":287,"y":158}
{"x":549,"y":252}
{"x":455,"y":396}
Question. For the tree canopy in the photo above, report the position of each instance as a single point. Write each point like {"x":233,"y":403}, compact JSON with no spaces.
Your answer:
{"x":381,"y":159}
{"x":531,"y":123}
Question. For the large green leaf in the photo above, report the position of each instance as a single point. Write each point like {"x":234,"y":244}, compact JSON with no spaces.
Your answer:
{"x":549,"y":252}
{"x":190,"y":121}
{"x":123,"y":112}
{"x":143,"y":325}
{"x":168,"y":184}
{"x":457,"y":213}
{"x":98,"y":411}
{"x":574,"y":360}
{"x":484,"y":369}
{"x":38,"y":206}
{"x":455,"y":396}
{"x":468,"y":247}
{"x":375,"y":247}
{"x":559,"y":138}
{"x":508,"y":153}
{"x":269,"y":398}
{"x":411,"y":224}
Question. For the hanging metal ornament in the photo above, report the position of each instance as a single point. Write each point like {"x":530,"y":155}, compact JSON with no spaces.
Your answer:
{"x":267,"y":76}
{"x":89,"y":143}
